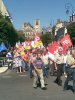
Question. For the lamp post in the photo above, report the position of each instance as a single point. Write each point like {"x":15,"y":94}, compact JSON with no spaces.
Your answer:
{"x":69,"y":10}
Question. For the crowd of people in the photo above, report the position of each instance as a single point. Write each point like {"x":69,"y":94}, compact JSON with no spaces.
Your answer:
{"x":39,"y":65}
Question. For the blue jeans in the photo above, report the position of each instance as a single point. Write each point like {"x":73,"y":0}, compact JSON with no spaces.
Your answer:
{"x":31,"y":70}
{"x":45,"y":70}
{"x":70,"y":75}
{"x":64,"y":67}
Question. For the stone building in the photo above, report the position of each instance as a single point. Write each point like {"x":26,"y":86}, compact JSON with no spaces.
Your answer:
{"x":37,"y":25}
{"x":28,"y":30}
{"x":60,"y":29}
{"x":3,"y":9}
{"x":72,"y":18}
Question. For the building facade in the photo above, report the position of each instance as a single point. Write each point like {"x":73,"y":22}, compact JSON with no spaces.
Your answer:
{"x":28,"y":31}
{"x":72,"y":18}
{"x":46,"y":29}
{"x":3,"y":9}
{"x":37,"y":25}
{"x":60,"y":29}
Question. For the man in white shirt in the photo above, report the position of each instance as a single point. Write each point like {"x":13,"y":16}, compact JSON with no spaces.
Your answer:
{"x":45,"y":64}
{"x":59,"y":63}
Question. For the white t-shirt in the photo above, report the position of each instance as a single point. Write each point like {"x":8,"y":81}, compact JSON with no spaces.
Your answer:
{"x":65,"y":59}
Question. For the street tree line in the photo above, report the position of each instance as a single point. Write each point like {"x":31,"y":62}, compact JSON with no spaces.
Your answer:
{"x":8,"y":34}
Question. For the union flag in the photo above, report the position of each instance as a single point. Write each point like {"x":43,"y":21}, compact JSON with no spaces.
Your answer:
{"x":66,"y":41}
{"x":53,"y":50}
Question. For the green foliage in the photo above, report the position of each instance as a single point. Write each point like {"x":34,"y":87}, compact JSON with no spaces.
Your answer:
{"x":53,"y":30}
{"x":47,"y":38}
{"x":21,"y":37}
{"x":71,"y":32}
{"x":71,"y":28}
{"x":8,"y":34}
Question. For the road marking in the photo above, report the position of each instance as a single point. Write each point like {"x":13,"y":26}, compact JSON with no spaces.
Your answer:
{"x":6,"y":76}
{"x":23,"y":75}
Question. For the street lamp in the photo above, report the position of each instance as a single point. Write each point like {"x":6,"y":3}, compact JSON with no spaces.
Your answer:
{"x":69,"y":9}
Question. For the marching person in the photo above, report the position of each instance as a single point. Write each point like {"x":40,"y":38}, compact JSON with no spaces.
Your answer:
{"x":45,"y":65}
{"x":59,"y":63}
{"x":38,"y":72}
{"x":32,"y":59}
{"x":17,"y":61}
{"x":9,"y":57}
{"x":70,"y":70}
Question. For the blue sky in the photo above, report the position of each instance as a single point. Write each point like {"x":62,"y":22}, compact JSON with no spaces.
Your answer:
{"x":48,"y":11}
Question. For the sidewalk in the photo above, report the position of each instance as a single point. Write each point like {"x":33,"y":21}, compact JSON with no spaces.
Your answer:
{"x":3,"y":69}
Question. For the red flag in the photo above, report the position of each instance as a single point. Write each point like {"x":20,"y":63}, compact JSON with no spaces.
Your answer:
{"x":37,"y":41}
{"x":53,"y":50}
{"x":66,"y":41}
{"x":37,"y":38}
{"x":28,"y":43}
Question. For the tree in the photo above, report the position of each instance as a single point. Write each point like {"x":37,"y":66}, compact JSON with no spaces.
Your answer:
{"x":47,"y":38}
{"x":21,"y":37}
{"x":8,"y":34}
{"x":71,"y":31}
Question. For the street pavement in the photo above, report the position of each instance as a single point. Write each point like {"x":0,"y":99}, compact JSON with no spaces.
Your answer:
{"x":15,"y":86}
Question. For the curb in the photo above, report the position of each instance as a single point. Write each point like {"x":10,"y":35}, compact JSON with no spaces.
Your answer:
{"x":3,"y":69}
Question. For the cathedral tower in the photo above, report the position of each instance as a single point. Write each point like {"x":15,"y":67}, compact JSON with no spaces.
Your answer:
{"x":37,"y":25}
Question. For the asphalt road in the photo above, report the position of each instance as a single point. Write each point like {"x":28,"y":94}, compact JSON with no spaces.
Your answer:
{"x":15,"y":86}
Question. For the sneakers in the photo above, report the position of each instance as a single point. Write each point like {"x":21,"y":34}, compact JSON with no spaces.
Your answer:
{"x":60,"y":84}
{"x":44,"y":88}
{"x":35,"y":87}
{"x":57,"y":82}
{"x":65,"y":89}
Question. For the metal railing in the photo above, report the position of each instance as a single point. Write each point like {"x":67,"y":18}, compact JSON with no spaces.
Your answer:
{"x":3,"y":62}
